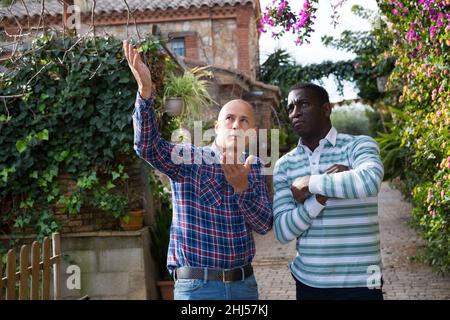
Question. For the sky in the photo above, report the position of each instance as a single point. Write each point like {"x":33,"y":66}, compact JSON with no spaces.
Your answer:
{"x":316,"y":52}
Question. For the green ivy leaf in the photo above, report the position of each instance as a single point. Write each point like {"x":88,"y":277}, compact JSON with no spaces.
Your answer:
{"x":41,"y":107}
{"x":115,"y":175}
{"x":4,"y":118}
{"x":43,"y":135}
{"x":21,"y":145}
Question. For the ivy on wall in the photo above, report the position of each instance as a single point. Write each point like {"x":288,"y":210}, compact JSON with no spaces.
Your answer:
{"x":66,"y":112}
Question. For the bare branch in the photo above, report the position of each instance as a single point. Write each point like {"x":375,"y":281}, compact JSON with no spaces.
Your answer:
{"x":28,"y":13}
{"x":41,"y":18}
{"x":6,"y":106}
{"x":10,"y":97}
{"x":134,"y":19}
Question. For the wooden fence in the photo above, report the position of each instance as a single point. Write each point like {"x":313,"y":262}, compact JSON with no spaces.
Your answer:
{"x":29,"y":276}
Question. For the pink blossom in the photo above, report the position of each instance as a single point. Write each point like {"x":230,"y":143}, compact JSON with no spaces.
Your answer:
{"x":433,"y":97}
{"x":433,"y":30}
{"x":429,"y":196}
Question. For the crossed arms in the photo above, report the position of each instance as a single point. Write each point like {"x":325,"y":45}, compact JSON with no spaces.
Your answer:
{"x":295,"y":207}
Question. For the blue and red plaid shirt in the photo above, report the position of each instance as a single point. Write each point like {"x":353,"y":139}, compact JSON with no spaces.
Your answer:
{"x":211,"y":225}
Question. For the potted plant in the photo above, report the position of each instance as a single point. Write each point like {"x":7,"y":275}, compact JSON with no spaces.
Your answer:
{"x":187,"y":94}
{"x":109,"y":202}
{"x":134,"y":220}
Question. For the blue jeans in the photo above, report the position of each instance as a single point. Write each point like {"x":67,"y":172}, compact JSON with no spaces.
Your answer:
{"x":199,"y":289}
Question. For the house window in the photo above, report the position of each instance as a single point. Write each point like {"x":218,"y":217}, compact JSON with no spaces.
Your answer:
{"x":178,"y":47}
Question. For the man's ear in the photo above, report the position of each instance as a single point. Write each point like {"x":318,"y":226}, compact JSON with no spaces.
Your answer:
{"x":327,"y":107}
{"x":216,"y":124}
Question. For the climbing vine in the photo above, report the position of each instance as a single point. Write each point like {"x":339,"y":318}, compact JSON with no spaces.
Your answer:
{"x":66,"y":129}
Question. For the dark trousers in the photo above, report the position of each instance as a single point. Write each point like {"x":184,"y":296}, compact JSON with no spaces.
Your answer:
{"x":304,"y":292}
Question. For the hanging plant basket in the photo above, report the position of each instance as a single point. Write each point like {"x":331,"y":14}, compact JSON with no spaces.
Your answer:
{"x":173,"y":106}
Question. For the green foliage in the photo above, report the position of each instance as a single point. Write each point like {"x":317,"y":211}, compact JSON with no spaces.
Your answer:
{"x":430,"y":215}
{"x":350,"y":121}
{"x":282,"y":70}
{"x":370,"y":62}
{"x":5,"y":3}
{"x":160,"y":232}
{"x":393,"y":150}
{"x":72,"y":117}
{"x":420,"y":140}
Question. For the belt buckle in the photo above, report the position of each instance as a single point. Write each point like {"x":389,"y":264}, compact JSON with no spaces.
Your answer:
{"x":224,"y":276}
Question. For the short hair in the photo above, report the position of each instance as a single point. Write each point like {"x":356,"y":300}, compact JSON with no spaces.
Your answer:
{"x":319,"y":91}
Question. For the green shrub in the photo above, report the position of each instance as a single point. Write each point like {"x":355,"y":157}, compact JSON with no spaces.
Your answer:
{"x":350,"y":121}
{"x":421,"y":88}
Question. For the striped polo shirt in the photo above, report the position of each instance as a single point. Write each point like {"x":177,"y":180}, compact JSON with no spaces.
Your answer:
{"x":338,"y":245}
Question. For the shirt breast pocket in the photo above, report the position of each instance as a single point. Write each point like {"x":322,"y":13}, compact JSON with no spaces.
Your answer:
{"x":210,"y":191}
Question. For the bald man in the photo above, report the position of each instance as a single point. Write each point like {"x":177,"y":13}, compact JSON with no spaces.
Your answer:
{"x":217,"y":203}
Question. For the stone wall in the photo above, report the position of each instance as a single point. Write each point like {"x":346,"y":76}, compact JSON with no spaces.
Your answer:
{"x":215,"y":39}
{"x":114,"y":265}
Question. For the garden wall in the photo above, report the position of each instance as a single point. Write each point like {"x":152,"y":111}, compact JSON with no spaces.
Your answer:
{"x":114,"y":265}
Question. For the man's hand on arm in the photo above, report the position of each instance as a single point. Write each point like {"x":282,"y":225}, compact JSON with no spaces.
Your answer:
{"x":140,"y":71}
{"x":300,"y":190}
{"x":335,"y":168}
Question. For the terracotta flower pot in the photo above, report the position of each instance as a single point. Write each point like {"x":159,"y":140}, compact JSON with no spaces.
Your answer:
{"x":136,"y":221}
{"x":166,"y":289}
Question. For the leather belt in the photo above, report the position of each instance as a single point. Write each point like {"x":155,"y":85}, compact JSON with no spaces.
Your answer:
{"x":224,"y":275}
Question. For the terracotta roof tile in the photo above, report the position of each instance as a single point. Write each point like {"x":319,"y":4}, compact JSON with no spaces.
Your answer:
{"x":54,"y":7}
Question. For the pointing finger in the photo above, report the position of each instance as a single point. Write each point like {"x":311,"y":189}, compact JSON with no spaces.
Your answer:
{"x":249,"y":161}
{"x":135,"y":59}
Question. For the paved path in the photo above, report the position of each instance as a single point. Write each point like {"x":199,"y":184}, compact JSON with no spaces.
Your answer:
{"x":404,"y":277}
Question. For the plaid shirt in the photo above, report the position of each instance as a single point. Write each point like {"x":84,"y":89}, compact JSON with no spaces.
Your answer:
{"x":211,"y":225}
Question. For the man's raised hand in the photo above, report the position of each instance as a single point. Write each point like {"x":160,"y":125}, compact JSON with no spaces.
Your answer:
{"x":237,"y":173}
{"x":140,"y":71}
